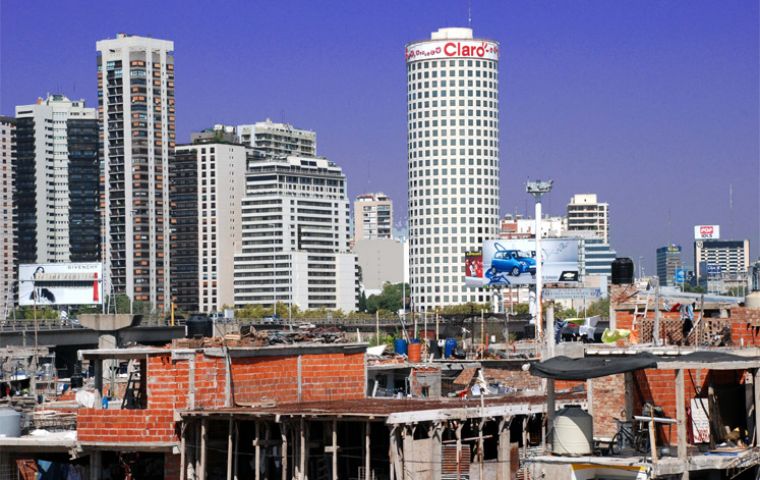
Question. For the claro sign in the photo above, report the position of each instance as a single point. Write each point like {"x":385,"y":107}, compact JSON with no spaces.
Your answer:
{"x":452,"y":49}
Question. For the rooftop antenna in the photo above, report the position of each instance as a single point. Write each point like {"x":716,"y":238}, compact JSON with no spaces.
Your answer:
{"x":731,"y":207}
{"x":469,"y":13}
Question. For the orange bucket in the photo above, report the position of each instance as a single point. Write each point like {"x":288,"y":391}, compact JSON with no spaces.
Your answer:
{"x":415,"y":352}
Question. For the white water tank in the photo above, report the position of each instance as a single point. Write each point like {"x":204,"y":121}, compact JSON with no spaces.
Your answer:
{"x":10,"y":423}
{"x":573,"y":432}
{"x":752,"y":300}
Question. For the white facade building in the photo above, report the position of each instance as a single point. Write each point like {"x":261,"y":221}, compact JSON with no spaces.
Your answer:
{"x":7,"y":241}
{"x":586,"y":213}
{"x":517,"y":226}
{"x":453,"y":161}
{"x":278,"y":139}
{"x":49,"y":119}
{"x":207,"y":187}
{"x":295,"y":244}
{"x":373,"y":216}
{"x":137,"y":115}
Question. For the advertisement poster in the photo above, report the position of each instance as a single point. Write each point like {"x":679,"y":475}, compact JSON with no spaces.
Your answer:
{"x":60,"y":284}
{"x":513,"y":262}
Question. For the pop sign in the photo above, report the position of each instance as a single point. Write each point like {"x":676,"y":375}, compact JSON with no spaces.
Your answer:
{"x":706,"y":232}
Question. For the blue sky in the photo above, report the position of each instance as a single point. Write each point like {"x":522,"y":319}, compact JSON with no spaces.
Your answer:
{"x":651,"y":104}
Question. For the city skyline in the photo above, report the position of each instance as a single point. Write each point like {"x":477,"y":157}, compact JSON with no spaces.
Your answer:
{"x":634,"y":97}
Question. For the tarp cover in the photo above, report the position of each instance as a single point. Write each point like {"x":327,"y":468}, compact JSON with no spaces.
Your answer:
{"x":565,"y":368}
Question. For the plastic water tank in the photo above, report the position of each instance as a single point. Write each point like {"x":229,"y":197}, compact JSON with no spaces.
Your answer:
{"x":573,"y":432}
{"x":198,"y":326}
{"x":622,"y":271}
{"x":10,"y":423}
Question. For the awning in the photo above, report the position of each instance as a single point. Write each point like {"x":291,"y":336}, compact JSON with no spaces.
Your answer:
{"x":565,"y":368}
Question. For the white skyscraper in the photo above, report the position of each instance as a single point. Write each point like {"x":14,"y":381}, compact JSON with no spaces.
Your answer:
{"x":136,"y":103}
{"x":586,"y":213}
{"x":295,"y":236}
{"x":44,"y":159}
{"x":7,"y":241}
{"x":453,"y":161}
{"x":278,"y":139}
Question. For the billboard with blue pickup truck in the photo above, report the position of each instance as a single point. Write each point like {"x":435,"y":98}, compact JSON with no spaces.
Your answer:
{"x":513,"y":262}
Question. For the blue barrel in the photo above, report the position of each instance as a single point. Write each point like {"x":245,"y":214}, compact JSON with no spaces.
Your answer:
{"x":449,"y":347}
{"x":399,"y":345}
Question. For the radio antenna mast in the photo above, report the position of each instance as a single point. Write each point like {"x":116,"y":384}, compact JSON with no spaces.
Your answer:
{"x":469,"y":13}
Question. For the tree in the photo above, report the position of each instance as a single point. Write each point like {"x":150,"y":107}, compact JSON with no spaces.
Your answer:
{"x":600,"y":307}
{"x":389,"y":299}
{"x":363,"y":302}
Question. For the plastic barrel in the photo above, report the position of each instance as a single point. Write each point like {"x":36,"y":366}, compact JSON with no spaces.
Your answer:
{"x":415,"y":352}
{"x":449,"y":347}
{"x":399,"y":345}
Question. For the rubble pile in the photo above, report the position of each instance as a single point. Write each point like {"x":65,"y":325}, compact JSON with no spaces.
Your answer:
{"x":264,"y":338}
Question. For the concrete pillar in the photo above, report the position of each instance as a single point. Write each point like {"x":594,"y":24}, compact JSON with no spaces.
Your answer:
{"x":204,"y":463}
{"x":284,"y":452}
{"x":756,"y":379}
{"x":683,"y":456}
{"x":435,"y":433}
{"x":367,"y":451}
{"x":503,"y":454}
{"x":408,"y":456}
{"x":257,"y":451}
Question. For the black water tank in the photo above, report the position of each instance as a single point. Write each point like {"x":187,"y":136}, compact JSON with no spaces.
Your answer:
{"x":198,"y":326}
{"x":622,"y":271}
{"x":77,"y":381}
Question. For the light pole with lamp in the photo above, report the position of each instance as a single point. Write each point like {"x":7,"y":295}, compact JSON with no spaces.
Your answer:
{"x":538,"y":189}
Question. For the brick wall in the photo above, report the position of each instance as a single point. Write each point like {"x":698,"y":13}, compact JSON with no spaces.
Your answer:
{"x":745,"y":326}
{"x":324,"y":377}
{"x":125,"y":426}
{"x":608,"y":403}
{"x":658,"y":387}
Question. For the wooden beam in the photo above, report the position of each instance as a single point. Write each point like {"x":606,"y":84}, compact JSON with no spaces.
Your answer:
{"x":257,"y":451}
{"x":229,"y":449}
{"x":302,"y":449}
{"x":681,"y":425}
{"x":202,"y":470}
{"x":396,"y":468}
{"x":503,"y":453}
{"x":367,"y":451}
{"x":447,"y":414}
{"x":183,"y":452}
{"x":481,"y":445}
{"x":334,"y":432}
{"x":284,"y":452}
{"x":458,"y":435}
{"x":756,"y":385}
{"x":550,"y":408}
{"x":235,"y":459}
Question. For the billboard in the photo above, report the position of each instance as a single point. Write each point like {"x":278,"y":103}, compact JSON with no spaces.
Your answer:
{"x":513,"y":262}
{"x":706,"y":232}
{"x":430,"y":50}
{"x":60,"y":284}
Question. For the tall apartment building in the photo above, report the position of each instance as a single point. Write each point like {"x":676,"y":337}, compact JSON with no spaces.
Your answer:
{"x":277,"y":139}
{"x":668,"y":261}
{"x":729,"y":258}
{"x":207,"y":184}
{"x":453,"y":161}
{"x":57,"y":195}
{"x":7,"y":215}
{"x":136,"y":104}
{"x":373,"y":216}
{"x":295,"y":236}
{"x":586,"y":213}
{"x":517,"y":226}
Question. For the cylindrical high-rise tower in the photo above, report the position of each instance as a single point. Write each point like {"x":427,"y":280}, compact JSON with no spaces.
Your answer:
{"x":453,"y":158}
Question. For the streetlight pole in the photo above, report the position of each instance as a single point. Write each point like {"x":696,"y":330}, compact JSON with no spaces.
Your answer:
{"x":537,"y":189}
